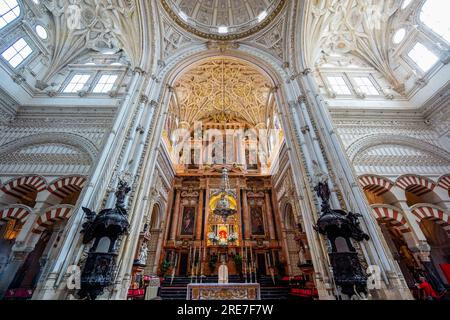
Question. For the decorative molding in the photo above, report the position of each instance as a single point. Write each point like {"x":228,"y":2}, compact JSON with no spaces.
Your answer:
{"x":17,"y":211}
{"x":427,"y":211}
{"x":223,"y":37}
{"x":375,"y":184}
{"x":51,"y":216}
{"x":70,"y":139}
{"x":379,"y":139}
{"x":393,"y":215}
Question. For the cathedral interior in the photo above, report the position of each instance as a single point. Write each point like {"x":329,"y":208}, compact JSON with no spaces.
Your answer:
{"x":146,"y":144}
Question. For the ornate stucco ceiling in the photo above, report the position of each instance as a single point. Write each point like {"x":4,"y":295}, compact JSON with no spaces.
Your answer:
{"x":241,"y":18}
{"x":350,"y":29}
{"x":222,"y":89}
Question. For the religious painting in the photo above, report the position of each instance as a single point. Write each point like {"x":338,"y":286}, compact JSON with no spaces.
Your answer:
{"x":256,"y":214}
{"x":188,"y":222}
{"x":223,"y":235}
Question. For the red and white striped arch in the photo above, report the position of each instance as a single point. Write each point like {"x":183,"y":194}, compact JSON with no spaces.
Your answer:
{"x":52,"y":216}
{"x":433,"y":213}
{"x":392,"y":215}
{"x":66,"y":186}
{"x":444,"y":182}
{"x":375,"y":184}
{"x":22,"y":186}
{"x":416,"y":184}
{"x":15,"y":212}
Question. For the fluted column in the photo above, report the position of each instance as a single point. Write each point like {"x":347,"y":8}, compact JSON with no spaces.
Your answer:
{"x":130,"y":142}
{"x":376,"y":250}
{"x":71,"y":248}
{"x":310,"y":146}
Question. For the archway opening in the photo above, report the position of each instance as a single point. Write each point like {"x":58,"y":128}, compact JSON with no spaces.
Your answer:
{"x":401,"y":252}
{"x":224,"y":118}
{"x":414,"y":197}
{"x":439,"y":241}
{"x":386,"y":197}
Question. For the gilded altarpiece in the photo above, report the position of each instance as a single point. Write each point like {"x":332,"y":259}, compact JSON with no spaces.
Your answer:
{"x":223,"y":232}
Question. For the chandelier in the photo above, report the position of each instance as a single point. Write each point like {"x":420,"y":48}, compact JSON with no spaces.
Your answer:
{"x":223,"y":208}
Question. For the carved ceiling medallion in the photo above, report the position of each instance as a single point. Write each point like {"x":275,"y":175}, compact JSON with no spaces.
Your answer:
{"x":241,"y":18}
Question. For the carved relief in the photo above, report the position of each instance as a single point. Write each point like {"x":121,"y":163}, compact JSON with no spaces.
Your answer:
{"x":221,"y":89}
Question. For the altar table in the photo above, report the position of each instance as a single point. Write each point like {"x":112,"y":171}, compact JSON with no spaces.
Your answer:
{"x":224,"y":291}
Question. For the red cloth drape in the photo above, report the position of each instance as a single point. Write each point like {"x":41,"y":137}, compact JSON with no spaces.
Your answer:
{"x":446,"y":270}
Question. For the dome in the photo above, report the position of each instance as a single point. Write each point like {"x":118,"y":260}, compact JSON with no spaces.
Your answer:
{"x":223,"y":19}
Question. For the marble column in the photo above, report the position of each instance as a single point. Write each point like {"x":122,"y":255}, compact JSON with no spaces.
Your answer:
{"x":206,"y":213}
{"x":272,"y":234}
{"x":93,"y":193}
{"x":175,"y":216}
{"x":247,"y":220}
{"x":199,"y":217}
{"x":375,"y":251}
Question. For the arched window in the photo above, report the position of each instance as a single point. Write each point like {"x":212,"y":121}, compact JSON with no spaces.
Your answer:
{"x":434,"y":15}
{"x":9,"y":11}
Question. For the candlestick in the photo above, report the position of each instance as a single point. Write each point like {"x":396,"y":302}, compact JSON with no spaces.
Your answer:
{"x":244,"y":261}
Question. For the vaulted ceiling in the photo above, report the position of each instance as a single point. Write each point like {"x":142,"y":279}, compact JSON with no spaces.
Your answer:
{"x":222,"y":89}
{"x":352,"y":31}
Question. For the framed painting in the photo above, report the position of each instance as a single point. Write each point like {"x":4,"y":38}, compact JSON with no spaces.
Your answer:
{"x":188,"y":221}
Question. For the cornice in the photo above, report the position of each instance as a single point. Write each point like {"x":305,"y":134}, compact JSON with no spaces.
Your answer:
{"x":377,"y":115}
{"x":66,"y":111}
{"x":438,"y":103}
{"x":8,"y":105}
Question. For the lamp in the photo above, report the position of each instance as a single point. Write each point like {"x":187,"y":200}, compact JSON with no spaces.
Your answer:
{"x":223,"y":207}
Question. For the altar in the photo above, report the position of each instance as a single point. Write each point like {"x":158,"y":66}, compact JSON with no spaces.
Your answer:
{"x":223,"y":291}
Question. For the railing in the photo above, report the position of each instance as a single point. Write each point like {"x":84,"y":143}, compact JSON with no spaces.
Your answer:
{"x":19,"y":294}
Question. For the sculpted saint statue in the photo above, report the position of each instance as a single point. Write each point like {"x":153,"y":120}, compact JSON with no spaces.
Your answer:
{"x":223,"y":273}
{"x":320,"y":181}
{"x":143,"y":254}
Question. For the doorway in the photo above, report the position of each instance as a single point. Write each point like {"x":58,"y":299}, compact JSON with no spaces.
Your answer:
{"x":261,"y":264}
{"x":183,"y":269}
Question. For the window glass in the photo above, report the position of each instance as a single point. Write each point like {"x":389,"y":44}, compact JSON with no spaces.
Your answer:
{"x":77,"y":83}
{"x":9,"y":11}
{"x":17,"y":53}
{"x":423,"y":57}
{"x":434,"y":15}
{"x":339,"y":86}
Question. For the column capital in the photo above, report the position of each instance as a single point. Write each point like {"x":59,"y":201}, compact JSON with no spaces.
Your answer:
{"x":293,"y":104}
{"x":139,"y":71}
{"x":306,"y":71}
{"x":144,"y":99}
{"x":154,"y":104}
{"x":302,"y":99}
